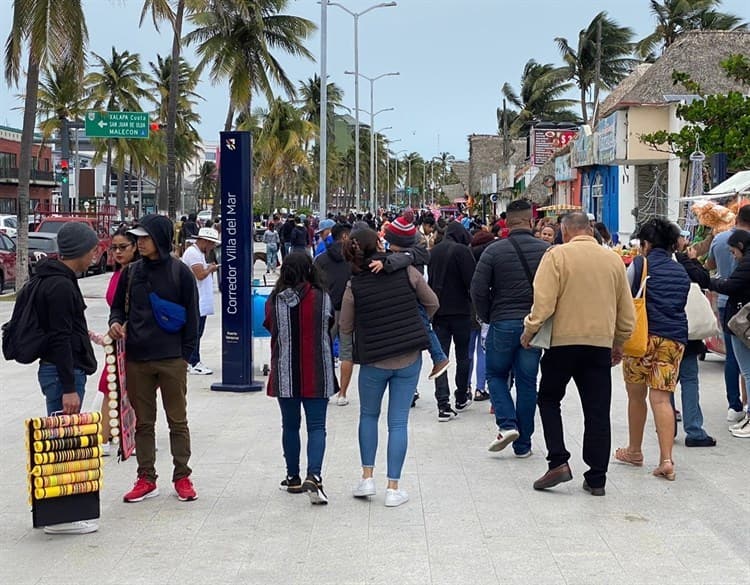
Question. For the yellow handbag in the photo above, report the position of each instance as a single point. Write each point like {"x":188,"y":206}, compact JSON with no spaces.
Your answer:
{"x":638,"y":343}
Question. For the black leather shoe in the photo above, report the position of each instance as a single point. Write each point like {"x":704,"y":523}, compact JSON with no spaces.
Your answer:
{"x":559,"y":474}
{"x":707,"y":441}
{"x":594,"y":491}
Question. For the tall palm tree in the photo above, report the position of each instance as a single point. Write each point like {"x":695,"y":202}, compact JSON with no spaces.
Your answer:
{"x":49,"y":36}
{"x":281,"y":146}
{"x":172,"y":11}
{"x":598,"y":65}
{"x":674,"y":17}
{"x":541,"y":96}
{"x":238,"y":38}
{"x":309,"y":101}
{"x":117,"y":84}
{"x":61,"y":97}
{"x":186,"y":136}
{"x":205,"y":183}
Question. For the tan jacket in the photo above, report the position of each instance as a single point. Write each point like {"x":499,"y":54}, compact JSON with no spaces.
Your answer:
{"x":584,"y":289}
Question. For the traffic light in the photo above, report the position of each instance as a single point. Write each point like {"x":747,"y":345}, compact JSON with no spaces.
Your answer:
{"x":155,"y":126}
{"x":64,"y":171}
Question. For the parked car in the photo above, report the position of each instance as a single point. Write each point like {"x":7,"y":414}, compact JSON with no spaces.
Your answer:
{"x":8,"y":225}
{"x":101,"y":224}
{"x":7,"y":262}
{"x":205,"y":216}
{"x":42,"y":245}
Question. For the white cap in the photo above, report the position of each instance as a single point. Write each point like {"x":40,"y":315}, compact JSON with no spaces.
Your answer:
{"x":591,"y":216}
{"x":139,"y":232}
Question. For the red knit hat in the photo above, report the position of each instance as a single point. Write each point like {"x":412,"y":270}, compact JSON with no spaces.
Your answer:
{"x":402,"y":232}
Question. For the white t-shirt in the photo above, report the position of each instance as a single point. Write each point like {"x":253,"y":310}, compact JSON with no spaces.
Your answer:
{"x":191,"y":257}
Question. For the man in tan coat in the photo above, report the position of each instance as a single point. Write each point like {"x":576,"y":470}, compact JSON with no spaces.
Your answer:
{"x":583,"y":288}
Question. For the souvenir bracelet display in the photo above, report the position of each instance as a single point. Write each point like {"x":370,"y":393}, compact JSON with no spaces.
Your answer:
{"x":122,"y":415}
{"x":64,"y":467}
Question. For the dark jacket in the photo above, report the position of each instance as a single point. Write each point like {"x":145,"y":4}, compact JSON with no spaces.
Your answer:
{"x":500,"y":288}
{"x":60,"y":307}
{"x":666,"y":295}
{"x":450,"y":272}
{"x":285,"y":231}
{"x":480,"y":242}
{"x":418,"y":256}
{"x":387,"y":320}
{"x":299,"y":320}
{"x":299,"y":237}
{"x":336,"y":272}
{"x":736,"y":287}
{"x":145,"y":340}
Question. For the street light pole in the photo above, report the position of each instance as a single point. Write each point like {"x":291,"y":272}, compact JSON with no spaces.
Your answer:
{"x":379,"y":133}
{"x":372,"y":81}
{"x":323,"y":146}
{"x":355,"y":16}
{"x":410,"y":158}
{"x":395,"y":178}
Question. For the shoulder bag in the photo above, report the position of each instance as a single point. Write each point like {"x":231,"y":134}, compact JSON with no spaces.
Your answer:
{"x":700,"y":316}
{"x":638,"y":343}
{"x":169,"y":316}
{"x":739,"y":325}
{"x":543,"y":338}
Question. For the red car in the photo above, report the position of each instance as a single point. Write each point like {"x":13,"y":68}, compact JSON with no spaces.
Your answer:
{"x":7,"y":262}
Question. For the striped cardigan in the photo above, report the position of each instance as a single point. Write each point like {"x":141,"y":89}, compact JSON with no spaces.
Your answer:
{"x":300,"y":322}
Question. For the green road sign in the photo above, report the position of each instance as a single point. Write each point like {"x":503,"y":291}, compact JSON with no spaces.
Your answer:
{"x":117,"y":124}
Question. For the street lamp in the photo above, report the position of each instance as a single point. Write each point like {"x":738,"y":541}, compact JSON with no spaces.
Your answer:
{"x":372,"y":81}
{"x":355,"y":16}
{"x":432,"y":176}
{"x":388,"y":172}
{"x":409,"y":159}
{"x":395,"y":156}
{"x":380,"y":134}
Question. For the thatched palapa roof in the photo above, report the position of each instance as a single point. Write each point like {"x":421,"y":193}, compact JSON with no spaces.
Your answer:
{"x":697,"y":53}
{"x":536,"y":190}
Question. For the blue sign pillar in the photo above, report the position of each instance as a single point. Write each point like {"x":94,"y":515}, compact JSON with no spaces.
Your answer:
{"x":236,"y":264}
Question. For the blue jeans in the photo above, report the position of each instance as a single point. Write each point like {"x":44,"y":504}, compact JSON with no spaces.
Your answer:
{"x":692,"y":416}
{"x":196,"y":355}
{"x":401,"y":385}
{"x":475,"y":347}
{"x":505,"y":354}
{"x":437,"y":354}
{"x":315,"y":419}
{"x":271,"y":256}
{"x":731,"y":369}
{"x":742,"y":353}
{"x":53,"y":390}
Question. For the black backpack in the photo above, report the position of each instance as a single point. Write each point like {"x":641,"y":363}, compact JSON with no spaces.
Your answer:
{"x":23,"y":336}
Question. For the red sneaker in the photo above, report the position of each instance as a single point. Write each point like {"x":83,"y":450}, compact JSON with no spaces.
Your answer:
{"x":185,"y":490}
{"x":142,"y":489}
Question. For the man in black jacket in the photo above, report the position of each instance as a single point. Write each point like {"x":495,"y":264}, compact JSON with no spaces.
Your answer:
{"x":67,"y":356}
{"x":502,"y":290}
{"x":336,"y":274}
{"x":450,"y":270}
{"x":157,"y":358}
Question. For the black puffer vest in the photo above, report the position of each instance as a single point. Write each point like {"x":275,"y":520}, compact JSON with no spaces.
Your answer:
{"x":387,"y":323}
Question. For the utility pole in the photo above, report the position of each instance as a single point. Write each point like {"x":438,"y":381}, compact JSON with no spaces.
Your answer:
{"x":323,"y":146}
{"x":598,"y":74}
{"x":64,"y":155}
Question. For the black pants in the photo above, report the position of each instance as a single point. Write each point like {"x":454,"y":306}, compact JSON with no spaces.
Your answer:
{"x":590,"y":369}
{"x":457,"y":328}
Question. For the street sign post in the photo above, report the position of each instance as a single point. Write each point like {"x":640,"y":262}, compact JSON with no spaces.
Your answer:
{"x":117,"y":124}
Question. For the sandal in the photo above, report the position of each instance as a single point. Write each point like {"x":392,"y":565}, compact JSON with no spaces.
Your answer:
{"x":660,"y":472}
{"x":624,"y":456}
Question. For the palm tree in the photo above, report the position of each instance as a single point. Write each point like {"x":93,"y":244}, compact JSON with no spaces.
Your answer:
{"x":205,"y":183}
{"x":238,"y":39}
{"x":540,"y":97}
{"x":674,"y":17}
{"x":162,"y":10}
{"x":49,"y":37}
{"x":186,"y":137}
{"x":117,"y":85}
{"x":309,"y":100}
{"x":281,"y":146}
{"x":600,"y":60}
{"x":61,"y":97}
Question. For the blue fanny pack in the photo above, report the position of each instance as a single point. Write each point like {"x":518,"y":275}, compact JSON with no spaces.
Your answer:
{"x":170,"y":316}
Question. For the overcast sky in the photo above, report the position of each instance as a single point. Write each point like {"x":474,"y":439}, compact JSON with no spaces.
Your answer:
{"x":453,"y":57}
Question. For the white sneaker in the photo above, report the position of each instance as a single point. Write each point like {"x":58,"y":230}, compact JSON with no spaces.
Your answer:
{"x":79,"y":527}
{"x":395,"y":498}
{"x":743,"y":432}
{"x":740,"y":424}
{"x":342,"y":400}
{"x":200,"y":369}
{"x":734,"y":416}
{"x":365,"y":488}
{"x":504,"y":438}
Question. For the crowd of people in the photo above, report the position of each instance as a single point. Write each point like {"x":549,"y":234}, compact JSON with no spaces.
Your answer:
{"x":504,"y":299}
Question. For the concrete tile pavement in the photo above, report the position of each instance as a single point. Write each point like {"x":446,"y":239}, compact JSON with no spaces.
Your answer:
{"x":472,"y":518}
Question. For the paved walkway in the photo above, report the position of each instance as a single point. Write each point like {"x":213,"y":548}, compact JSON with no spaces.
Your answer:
{"x":473,"y":517}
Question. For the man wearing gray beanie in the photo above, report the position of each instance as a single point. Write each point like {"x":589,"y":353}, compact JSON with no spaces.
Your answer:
{"x":66,"y":356}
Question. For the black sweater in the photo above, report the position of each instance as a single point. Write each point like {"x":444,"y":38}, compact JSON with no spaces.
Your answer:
{"x":60,"y":307}
{"x":450,"y":271}
{"x":737,"y":287}
{"x":145,"y":340}
{"x":336,"y":272}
